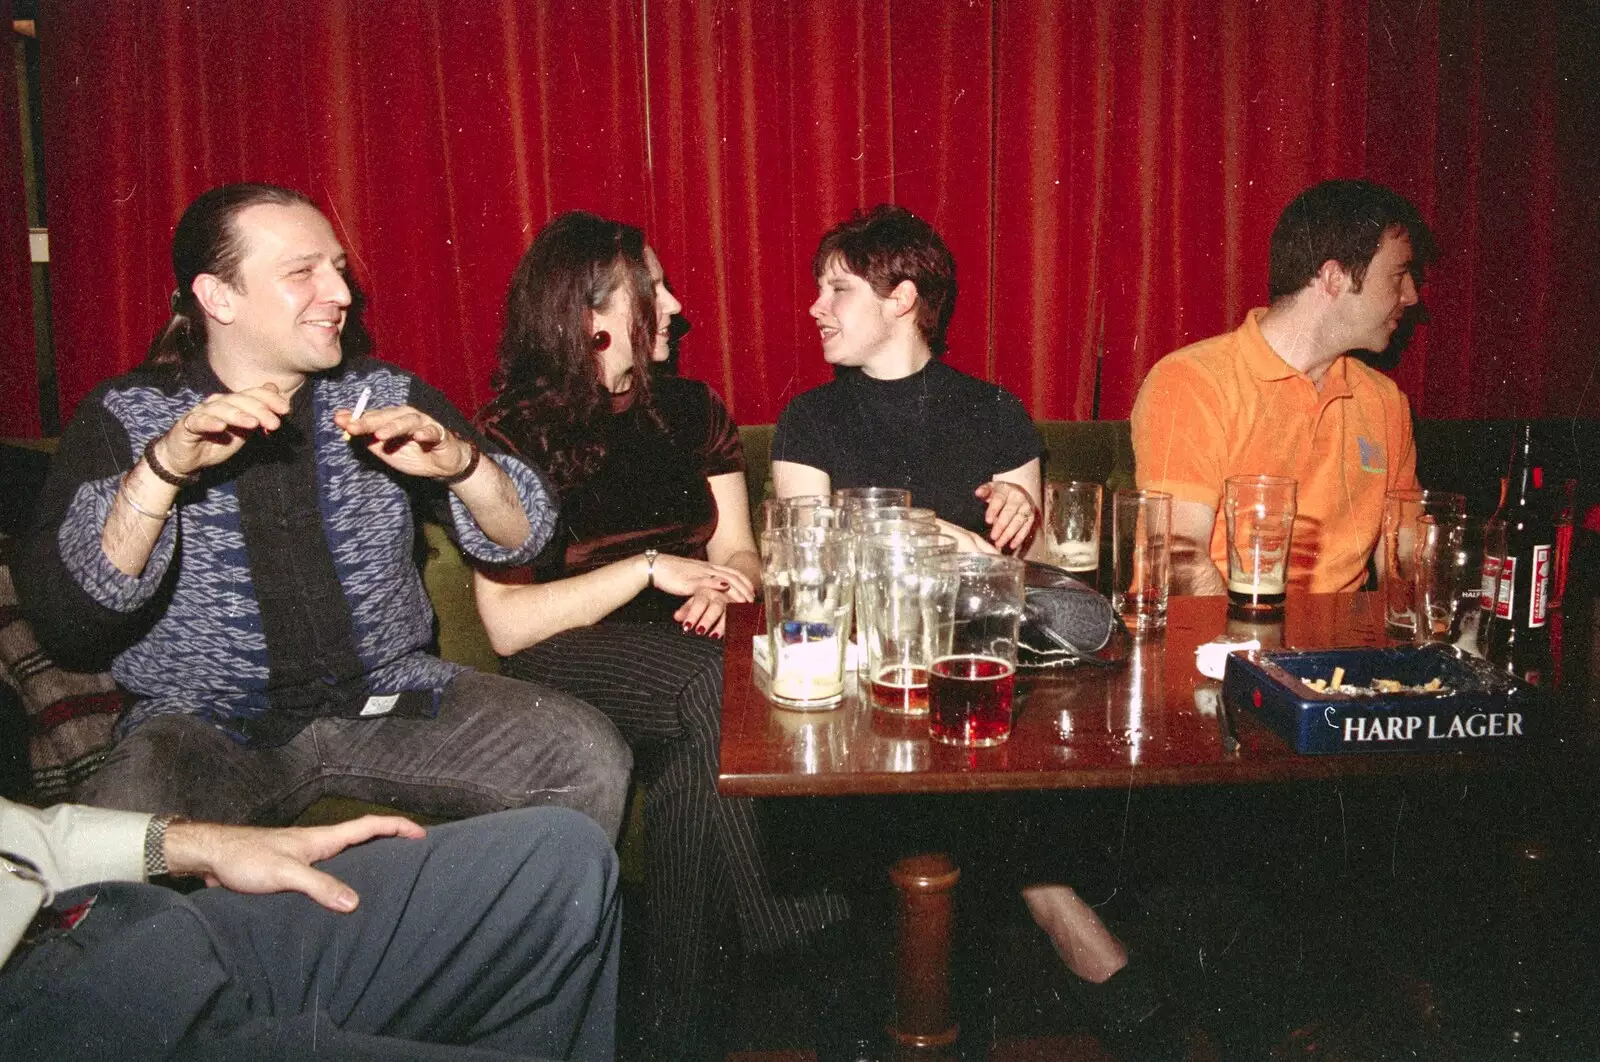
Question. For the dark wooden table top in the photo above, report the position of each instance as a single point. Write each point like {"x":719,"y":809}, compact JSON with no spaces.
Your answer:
{"x":1141,"y":724}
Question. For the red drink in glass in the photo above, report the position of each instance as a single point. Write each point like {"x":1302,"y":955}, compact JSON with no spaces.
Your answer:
{"x":901,"y":689}
{"x":969,"y":700}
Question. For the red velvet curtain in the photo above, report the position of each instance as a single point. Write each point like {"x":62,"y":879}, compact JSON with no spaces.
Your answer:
{"x":1106,"y":173}
{"x":19,"y":378}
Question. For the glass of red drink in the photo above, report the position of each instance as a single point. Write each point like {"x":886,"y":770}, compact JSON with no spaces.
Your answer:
{"x":974,"y":612}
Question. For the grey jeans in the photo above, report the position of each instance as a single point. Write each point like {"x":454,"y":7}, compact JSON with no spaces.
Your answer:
{"x":496,"y":743}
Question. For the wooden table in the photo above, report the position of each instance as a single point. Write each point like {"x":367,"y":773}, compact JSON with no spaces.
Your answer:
{"x":1151,"y":722}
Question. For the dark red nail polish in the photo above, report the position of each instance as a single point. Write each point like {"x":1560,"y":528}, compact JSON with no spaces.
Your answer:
{"x":686,"y":628}
{"x":699,"y":630}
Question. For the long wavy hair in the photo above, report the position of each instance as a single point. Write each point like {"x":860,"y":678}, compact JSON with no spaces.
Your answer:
{"x":550,"y":403}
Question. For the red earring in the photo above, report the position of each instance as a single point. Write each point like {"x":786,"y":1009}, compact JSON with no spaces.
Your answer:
{"x":600,"y":341}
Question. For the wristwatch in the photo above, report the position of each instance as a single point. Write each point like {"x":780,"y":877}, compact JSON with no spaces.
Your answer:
{"x":650,"y":556}
{"x":155,"y":845}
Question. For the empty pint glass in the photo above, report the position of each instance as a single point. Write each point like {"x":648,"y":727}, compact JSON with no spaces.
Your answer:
{"x":976,"y":610}
{"x":1141,"y":557}
{"x":1401,"y":511}
{"x":808,"y":586}
{"x":870,"y":497}
{"x":1259,"y":513}
{"x":1437,"y":574}
{"x":1072,"y":527}
{"x":895,"y":603}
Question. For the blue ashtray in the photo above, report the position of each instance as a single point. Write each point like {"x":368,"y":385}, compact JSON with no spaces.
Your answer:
{"x":1399,"y":699}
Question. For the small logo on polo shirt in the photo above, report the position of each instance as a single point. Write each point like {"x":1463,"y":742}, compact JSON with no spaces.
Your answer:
{"x":1371,"y":455}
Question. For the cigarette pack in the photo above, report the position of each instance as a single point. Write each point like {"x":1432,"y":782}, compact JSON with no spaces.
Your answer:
{"x":1405,"y":698}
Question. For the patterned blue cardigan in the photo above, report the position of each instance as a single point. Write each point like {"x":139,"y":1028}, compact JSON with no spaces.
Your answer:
{"x":186,"y":634}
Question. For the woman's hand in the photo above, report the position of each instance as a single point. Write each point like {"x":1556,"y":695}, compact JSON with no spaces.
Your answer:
{"x":1011,"y":513}
{"x":708,"y":587}
{"x":706,"y":612}
{"x":966,"y":541}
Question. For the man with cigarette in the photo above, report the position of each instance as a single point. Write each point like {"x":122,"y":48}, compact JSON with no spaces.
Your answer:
{"x":1281,"y":395}
{"x":225,"y":527}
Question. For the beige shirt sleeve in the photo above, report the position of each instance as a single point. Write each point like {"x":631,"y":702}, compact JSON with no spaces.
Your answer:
{"x":67,"y":846}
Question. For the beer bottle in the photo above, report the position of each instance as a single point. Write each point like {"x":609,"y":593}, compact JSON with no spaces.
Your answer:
{"x":1519,"y":632}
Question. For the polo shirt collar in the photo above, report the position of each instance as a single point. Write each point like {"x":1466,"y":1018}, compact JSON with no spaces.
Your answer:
{"x":1265,"y":364}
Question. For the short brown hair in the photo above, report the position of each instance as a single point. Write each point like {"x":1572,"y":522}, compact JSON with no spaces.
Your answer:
{"x":888,"y":244}
{"x":1342,"y":221}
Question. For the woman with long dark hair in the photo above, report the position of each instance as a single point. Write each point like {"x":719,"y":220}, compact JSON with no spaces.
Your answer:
{"x":625,"y":608}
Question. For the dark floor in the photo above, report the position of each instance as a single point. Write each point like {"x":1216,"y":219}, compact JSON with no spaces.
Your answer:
{"x":1381,"y":920}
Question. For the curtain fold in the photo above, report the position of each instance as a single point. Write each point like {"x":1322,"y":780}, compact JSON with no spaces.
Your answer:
{"x":19,"y":377}
{"x":1107,"y":174}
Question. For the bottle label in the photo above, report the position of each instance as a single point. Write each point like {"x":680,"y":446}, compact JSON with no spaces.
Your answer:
{"x":1491,"y":572}
{"x":1539,"y":595}
{"x":1508,"y":585}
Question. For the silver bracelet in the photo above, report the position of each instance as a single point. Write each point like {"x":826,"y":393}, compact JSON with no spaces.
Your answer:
{"x":155,"y":845}
{"x":127,"y":496}
{"x":650,"y":556}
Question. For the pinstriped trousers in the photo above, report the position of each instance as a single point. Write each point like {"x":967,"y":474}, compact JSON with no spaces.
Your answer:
{"x":663,"y":690}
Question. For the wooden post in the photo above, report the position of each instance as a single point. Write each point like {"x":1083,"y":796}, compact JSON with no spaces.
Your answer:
{"x":923,"y":1025}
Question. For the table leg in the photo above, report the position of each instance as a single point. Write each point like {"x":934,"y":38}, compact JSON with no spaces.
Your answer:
{"x":923,"y":1025}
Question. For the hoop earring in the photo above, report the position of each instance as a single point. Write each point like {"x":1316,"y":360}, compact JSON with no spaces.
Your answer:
{"x":600,"y":341}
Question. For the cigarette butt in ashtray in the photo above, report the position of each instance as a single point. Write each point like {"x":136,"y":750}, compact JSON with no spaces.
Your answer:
{"x":361,"y":407}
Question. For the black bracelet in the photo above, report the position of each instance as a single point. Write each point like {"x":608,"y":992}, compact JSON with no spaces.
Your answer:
{"x":472,"y":466}
{"x":163,"y":473}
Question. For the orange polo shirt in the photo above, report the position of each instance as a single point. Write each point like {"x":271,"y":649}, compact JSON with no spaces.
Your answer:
{"x":1231,"y":406}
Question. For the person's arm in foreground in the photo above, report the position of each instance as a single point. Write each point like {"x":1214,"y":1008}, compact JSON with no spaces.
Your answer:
{"x":258,"y":860}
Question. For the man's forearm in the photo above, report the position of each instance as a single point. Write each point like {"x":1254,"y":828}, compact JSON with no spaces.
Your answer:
{"x":492,"y":499}
{"x":141,"y":508}
{"x":1193,"y":573}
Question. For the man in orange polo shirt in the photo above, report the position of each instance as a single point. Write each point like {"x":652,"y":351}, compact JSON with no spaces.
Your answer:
{"x":1280,"y":395}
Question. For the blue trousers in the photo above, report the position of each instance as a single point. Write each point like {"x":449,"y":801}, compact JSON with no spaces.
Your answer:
{"x":491,"y":938}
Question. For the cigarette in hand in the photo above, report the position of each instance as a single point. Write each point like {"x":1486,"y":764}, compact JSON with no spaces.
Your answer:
{"x":361,"y":407}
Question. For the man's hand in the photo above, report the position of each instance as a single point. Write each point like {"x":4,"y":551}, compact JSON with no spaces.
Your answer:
{"x":408,"y":440}
{"x":1192,"y":569}
{"x":253,"y":860}
{"x":213,"y":431}
{"x":1011,"y":514}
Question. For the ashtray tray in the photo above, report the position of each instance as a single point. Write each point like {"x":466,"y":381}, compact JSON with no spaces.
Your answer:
{"x":1398,"y":699}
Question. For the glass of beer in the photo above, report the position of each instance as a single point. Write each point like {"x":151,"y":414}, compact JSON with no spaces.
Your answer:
{"x":1141,"y":557}
{"x":975,"y":610}
{"x":1072,"y":527}
{"x":1259,"y":512}
{"x":808,"y":586}
{"x":894,"y":605}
